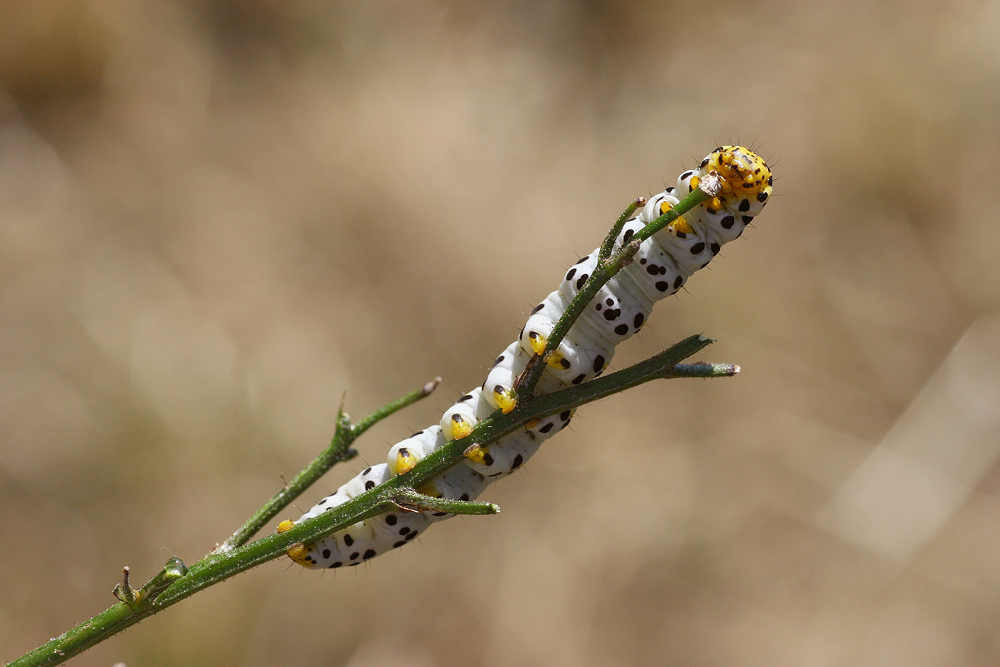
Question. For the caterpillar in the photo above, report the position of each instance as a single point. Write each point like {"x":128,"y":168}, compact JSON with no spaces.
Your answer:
{"x":659,"y":268}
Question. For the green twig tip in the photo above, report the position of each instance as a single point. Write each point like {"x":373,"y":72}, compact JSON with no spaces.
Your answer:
{"x":124,"y":591}
{"x":411,"y":499}
{"x":703,"y":369}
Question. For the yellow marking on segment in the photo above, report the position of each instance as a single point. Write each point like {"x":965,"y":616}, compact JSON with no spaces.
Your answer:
{"x":476,"y":454}
{"x":681,"y":225}
{"x":285,"y":525}
{"x":429,"y":489}
{"x":538,"y":342}
{"x":505,"y":399}
{"x":554,"y":359}
{"x":460,"y":427}
{"x":404,"y":462}
{"x":299,"y":553}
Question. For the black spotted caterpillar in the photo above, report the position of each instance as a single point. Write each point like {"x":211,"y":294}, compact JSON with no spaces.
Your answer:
{"x":659,"y":268}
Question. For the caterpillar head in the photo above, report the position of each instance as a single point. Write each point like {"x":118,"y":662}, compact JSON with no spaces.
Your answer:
{"x":743,"y":173}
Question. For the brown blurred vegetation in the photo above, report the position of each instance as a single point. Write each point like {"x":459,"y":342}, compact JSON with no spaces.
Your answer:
{"x":218,"y":216}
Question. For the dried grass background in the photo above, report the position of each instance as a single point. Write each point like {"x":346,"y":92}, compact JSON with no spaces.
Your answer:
{"x":216,"y":217}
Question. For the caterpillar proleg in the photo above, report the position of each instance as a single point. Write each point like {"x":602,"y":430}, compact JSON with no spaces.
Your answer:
{"x":660,"y":267}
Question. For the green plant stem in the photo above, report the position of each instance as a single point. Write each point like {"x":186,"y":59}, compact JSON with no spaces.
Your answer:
{"x":339,"y":450}
{"x":414,"y":500}
{"x":702,"y":369}
{"x":608,"y":246}
{"x":607,"y":266}
{"x":223,"y":564}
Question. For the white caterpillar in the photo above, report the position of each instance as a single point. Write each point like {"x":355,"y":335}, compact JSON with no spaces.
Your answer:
{"x":659,"y":268}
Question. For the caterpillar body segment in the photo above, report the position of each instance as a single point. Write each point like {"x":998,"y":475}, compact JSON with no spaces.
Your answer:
{"x":507,"y":454}
{"x":614,"y":313}
{"x":458,"y":483}
{"x":583,"y":349}
{"x":660,"y":267}
{"x":653,"y":270}
{"x":366,"y":480}
{"x":365,"y":539}
{"x":459,"y":420}
{"x":404,"y":455}
{"x":498,"y":389}
{"x":691,"y":247}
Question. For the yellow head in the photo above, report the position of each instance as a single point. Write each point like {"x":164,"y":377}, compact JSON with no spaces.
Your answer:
{"x":743,"y":172}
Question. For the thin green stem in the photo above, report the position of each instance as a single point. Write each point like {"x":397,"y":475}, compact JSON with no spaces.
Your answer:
{"x":413,"y":500}
{"x":609,"y":241}
{"x":339,"y":450}
{"x":387,"y":410}
{"x":702,"y":369}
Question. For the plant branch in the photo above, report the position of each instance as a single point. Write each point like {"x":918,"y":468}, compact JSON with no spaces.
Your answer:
{"x":174,"y":583}
{"x":413,"y":500}
{"x":339,"y":450}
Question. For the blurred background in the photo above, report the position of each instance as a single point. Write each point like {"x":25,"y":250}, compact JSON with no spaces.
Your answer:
{"x":216,"y":217}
